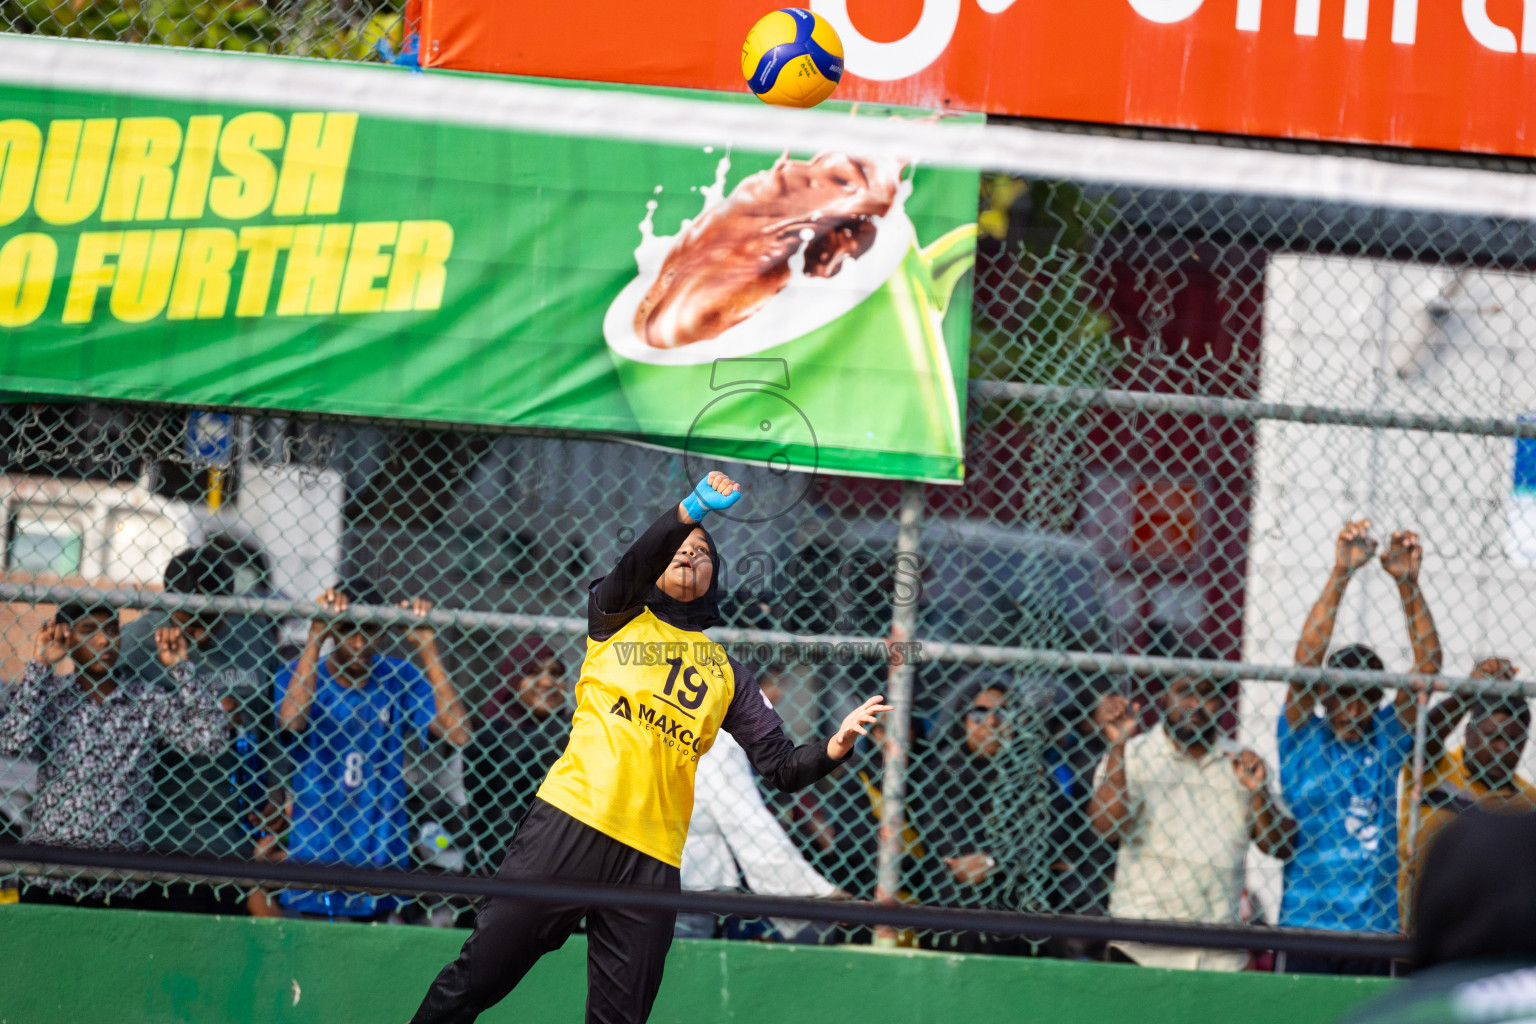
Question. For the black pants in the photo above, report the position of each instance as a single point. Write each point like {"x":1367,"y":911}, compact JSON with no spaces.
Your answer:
{"x":626,"y":949}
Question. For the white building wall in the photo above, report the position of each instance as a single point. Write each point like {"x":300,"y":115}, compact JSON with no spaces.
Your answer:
{"x":1358,"y":333}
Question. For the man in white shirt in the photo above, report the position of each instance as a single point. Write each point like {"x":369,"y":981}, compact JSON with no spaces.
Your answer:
{"x":732,"y":827}
{"x":1184,"y":804}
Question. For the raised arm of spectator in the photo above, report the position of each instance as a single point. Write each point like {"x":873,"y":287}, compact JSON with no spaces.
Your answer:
{"x":19,"y":717}
{"x":1271,"y":829}
{"x":1352,"y":550}
{"x":293,"y":707}
{"x":451,"y":721}
{"x":1401,"y":560}
{"x":189,"y":718}
{"x":1443,"y":717}
{"x":1112,"y":806}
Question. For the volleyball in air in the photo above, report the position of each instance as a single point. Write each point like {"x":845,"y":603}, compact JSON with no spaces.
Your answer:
{"x":792,"y":58}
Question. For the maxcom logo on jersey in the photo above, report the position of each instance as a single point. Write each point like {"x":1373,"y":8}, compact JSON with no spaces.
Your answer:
{"x":669,"y":731}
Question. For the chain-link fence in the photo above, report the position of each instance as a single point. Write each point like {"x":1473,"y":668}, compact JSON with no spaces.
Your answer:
{"x":362,"y":30}
{"x":1177,"y":402}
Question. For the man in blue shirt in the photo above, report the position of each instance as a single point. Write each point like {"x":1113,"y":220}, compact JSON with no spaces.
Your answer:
{"x":351,"y":713}
{"x":1339,"y":769}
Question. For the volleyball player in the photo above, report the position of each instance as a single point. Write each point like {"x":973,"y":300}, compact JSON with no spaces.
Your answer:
{"x":614,"y":809}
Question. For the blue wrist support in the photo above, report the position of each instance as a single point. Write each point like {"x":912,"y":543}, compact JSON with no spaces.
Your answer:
{"x":705,"y":499}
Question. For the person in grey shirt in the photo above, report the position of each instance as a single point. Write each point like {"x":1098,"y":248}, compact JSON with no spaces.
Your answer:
{"x":95,"y":735}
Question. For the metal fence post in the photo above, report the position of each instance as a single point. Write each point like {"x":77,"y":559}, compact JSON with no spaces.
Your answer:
{"x":1416,"y":786}
{"x":898,"y":731}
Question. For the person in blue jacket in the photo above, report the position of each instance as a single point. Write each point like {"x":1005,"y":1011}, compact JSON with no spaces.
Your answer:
{"x":1341,"y":752}
{"x":350,"y":715}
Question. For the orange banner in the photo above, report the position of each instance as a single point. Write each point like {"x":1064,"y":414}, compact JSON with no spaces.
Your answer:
{"x":1443,"y":74}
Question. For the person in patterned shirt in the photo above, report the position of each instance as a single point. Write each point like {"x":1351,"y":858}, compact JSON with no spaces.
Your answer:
{"x":94,"y":737}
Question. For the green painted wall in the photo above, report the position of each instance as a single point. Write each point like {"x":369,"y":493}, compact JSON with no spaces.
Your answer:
{"x":65,"y":966}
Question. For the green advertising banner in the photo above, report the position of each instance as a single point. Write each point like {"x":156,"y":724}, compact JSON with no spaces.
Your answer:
{"x":809,"y":309}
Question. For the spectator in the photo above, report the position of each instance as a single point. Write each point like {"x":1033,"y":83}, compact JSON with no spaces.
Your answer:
{"x":733,"y":834}
{"x":840,"y":831}
{"x":791,"y":700}
{"x":951,"y":798}
{"x":94,"y":735}
{"x":1481,"y":773}
{"x":211,"y":807}
{"x":836,"y":824}
{"x":1339,"y":769}
{"x":350,"y":714}
{"x":1083,"y":861}
{"x":524,"y":726}
{"x":1183,"y":804}
{"x":1475,"y":944}
{"x":771,"y":682}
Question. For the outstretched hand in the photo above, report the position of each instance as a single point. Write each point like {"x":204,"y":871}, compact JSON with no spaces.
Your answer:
{"x":971,"y":868}
{"x":841,"y":745}
{"x":1252,"y":773}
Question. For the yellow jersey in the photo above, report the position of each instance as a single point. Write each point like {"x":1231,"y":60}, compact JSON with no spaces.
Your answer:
{"x":649,"y":702}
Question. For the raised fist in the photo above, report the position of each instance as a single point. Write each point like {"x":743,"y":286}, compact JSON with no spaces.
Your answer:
{"x":715,"y":493}
{"x":1355,"y":546}
{"x":1403,"y":557}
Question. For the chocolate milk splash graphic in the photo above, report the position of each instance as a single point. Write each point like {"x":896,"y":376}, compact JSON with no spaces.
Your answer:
{"x":799,"y":218}
{"x":815,"y":267}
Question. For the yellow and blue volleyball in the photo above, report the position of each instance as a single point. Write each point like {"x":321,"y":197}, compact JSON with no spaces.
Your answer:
{"x":792,"y":58}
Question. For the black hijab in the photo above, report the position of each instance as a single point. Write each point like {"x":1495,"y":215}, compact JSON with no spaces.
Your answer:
{"x":952,"y":728}
{"x":701,"y":612}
